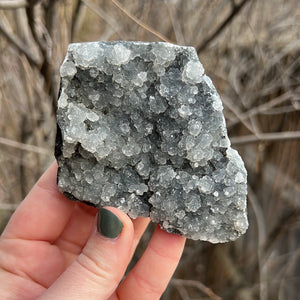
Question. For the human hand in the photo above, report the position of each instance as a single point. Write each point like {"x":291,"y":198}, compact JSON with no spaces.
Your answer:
{"x":51,"y":249}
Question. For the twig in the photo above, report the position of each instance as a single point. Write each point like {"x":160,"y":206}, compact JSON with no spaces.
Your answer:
{"x":234,"y":12}
{"x":182,"y":292}
{"x":261,"y":108}
{"x":284,"y":224}
{"x":140,"y":23}
{"x":30,"y":12}
{"x":50,"y":17}
{"x":16,"y":42}
{"x":291,"y":265}
{"x":50,"y":14}
{"x":75,"y":17}
{"x":22,"y":28}
{"x":237,"y":113}
{"x":43,"y":40}
{"x":197,"y":284}
{"x":262,"y":233}
{"x":13,"y":4}
{"x":211,"y":18}
{"x":175,"y":24}
{"x":261,"y":137}
{"x":108,"y":19}
{"x":280,"y":110}
{"x":25,"y":147}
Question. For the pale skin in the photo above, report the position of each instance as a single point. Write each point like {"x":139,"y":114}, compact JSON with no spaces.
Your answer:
{"x":51,"y":249}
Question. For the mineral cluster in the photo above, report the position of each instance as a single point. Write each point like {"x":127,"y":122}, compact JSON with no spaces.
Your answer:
{"x":140,"y":127}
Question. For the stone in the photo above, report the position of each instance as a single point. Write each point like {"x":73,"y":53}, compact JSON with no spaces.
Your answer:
{"x":140,"y":127}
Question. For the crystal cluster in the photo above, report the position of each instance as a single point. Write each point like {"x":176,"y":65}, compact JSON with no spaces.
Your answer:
{"x":140,"y":127}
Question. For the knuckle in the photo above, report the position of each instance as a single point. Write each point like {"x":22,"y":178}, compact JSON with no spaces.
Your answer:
{"x":147,"y":286}
{"x":94,"y":270}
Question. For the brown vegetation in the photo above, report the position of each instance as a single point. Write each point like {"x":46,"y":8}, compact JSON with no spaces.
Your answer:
{"x":249,"y":48}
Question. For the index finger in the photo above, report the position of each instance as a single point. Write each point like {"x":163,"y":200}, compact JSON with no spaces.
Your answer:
{"x":152,"y":273}
{"x":44,"y":212}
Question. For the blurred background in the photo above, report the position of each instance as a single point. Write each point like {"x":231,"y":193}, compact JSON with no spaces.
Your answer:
{"x":250,"y":49}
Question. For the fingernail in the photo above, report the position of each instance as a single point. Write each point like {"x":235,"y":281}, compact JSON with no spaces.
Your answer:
{"x":109,"y":224}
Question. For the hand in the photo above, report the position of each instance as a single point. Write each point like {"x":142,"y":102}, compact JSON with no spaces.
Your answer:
{"x":51,"y":249}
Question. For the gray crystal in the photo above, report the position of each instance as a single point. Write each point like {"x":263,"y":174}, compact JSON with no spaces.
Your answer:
{"x":140,"y":128}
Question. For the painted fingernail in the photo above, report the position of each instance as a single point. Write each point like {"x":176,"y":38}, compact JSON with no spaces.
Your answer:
{"x":109,"y":225}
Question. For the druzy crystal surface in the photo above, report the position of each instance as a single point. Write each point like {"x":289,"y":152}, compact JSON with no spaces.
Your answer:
{"x":140,"y":128}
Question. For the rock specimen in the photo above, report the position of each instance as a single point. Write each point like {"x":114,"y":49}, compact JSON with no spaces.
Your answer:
{"x":140,"y":127}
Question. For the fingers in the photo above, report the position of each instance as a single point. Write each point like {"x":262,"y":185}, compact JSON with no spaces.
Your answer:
{"x":97,"y":271}
{"x":80,"y":226}
{"x":43,"y":214}
{"x":77,"y":231}
{"x":140,"y":224}
{"x":46,"y":215}
{"x":151,"y":275}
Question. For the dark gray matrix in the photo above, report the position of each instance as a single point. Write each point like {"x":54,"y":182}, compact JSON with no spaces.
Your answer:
{"x":140,"y":127}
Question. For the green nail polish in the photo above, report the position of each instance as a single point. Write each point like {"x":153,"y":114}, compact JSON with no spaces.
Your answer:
{"x":109,"y":224}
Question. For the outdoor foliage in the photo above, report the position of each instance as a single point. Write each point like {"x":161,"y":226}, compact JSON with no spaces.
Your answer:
{"x":250,"y":49}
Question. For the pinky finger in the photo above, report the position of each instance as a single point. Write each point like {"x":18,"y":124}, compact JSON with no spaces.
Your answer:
{"x":151,"y":275}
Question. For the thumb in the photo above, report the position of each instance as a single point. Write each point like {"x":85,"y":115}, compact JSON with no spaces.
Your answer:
{"x":98,"y":270}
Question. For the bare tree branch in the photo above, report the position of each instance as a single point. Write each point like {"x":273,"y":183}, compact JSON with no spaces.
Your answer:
{"x":197,"y":284}
{"x":108,"y":19}
{"x":237,"y":113}
{"x":31,"y":22}
{"x":75,"y":17}
{"x":234,"y":12}
{"x":140,"y":23}
{"x":261,"y":137}
{"x":261,"y":108}
{"x":262,"y":236}
{"x":17,"y":43}
{"x":179,"y":36}
{"x":22,"y":146}
{"x":13,"y":4}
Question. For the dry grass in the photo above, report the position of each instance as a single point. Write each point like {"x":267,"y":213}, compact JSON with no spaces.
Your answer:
{"x":251,"y":51}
